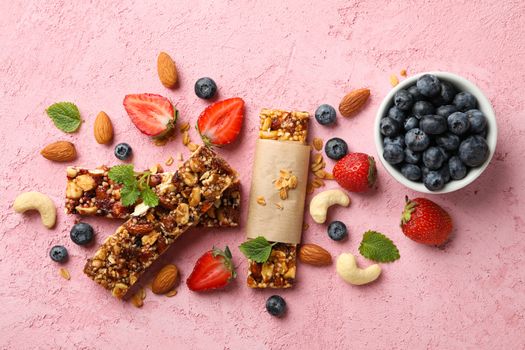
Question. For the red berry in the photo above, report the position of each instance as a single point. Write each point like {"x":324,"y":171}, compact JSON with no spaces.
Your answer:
{"x":152,"y":114}
{"x":213,"y":270}
{"x":425,"y":222}
{"x":220,"y":123}
{"x":355,"y":172}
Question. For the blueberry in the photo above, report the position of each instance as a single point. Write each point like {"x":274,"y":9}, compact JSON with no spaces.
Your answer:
{"x":396,"y":140}
{"x":445,"y":173}
{"x":275,"y":305}
{"x":417,"y":140}
{"x":336,"y":148}
{"x":123,"y":151}
{"x":393,"y":154}
{"x":82,"y":233}
{"x":58,"y":253}
{"x":478,"y":122}
{"x":411,"y":123}
{"x":416,"y":95}
{"x":446,"y":110}
{"x":448,"y":141}
{"x":205,"y":88}
{"x":424,"y":172}
{"x":458,"y":123}
{"x":396,"y":114}
{"x":473,"y":151}
{"x":433,"y":124}
{"x":325,"y":114}
{"x":411,"y":172}
{"x":428,"y":85}
{"x":337,"y":230}
{"x":412,"y":157}
{"x":403,"y":100}
{"x":456,"y":168}
{"x":446,"y":95}
{"x":389,"y":127}
{"x":433,"y":158}
{"x":434,"y":181}
{"x":422,"y":108}
{"x":465,"y":101}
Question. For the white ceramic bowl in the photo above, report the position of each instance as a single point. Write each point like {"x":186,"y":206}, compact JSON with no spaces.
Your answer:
{"x":484,"y":106}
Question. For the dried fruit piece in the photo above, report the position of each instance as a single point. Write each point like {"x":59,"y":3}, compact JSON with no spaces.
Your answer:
{"x":165,"y":280}
{"x":169,"y":161}
{"x":65,"y":273}
{"x":103,"y":129}
{"x":403,"y":72}
{"x":353,"y":102}
{"x":60,"y":151}
{"x":167,"y":70}
{"x":313,"y":254}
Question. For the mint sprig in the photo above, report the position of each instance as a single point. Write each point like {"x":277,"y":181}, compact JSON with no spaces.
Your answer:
{"x":378,"y":247}
{"x":257,"y":249}
{"x":133,"y":188}
{"x":65,"y":116}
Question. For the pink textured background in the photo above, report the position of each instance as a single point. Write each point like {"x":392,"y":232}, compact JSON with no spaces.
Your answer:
{"x":471,"y":295}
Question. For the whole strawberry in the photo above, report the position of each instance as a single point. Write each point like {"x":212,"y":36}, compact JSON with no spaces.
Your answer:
{"x":355,"y":172}
{"x":425,"y":222}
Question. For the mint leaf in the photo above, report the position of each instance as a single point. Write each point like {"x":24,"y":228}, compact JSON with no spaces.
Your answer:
{"x":149,"y":197}
{"x":257,"y":249}
{"x":65,"y":116}
{"x":123,"y":174}
{"x":378,"y":247}
{"x":129,"y":195}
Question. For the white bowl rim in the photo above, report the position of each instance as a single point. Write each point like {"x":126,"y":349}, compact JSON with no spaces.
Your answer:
{"x":484,"y":106}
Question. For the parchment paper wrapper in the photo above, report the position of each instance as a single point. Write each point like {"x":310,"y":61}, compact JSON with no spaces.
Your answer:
{"x":277,"y":225}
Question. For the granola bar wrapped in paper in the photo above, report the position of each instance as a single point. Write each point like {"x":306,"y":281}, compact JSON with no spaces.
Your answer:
{"x":277,"y":195}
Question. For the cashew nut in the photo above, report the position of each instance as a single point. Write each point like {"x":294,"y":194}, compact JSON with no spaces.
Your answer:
{"x":37,"y":201}
{"x":347,"y":268}
{"x":322,"y":201}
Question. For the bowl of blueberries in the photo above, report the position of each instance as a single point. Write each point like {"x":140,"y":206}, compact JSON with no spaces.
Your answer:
{"x":435,"y":132}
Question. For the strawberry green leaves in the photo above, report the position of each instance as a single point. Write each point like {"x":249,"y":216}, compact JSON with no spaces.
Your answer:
{"x":133,"y":188}
{"x":257,"y":249}
{"x":377,"y":247}
{"x":65,"y":116}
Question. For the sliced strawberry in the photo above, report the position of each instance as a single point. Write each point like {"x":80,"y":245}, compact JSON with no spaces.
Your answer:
{"x":220,"y":123}
{"x":213,"y":270}
{"x":152,"y":114}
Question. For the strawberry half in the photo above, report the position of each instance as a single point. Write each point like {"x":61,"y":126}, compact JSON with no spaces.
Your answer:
{"x":425,"y":222}
{"x":220,"y":123}
{"x":213,"y":270}
{"x":152,"y":114}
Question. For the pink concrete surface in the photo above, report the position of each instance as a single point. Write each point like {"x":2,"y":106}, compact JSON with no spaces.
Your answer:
{"x":470,"y":295}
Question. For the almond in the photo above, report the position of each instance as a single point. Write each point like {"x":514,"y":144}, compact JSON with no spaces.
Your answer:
{"x":165,"y":279}
{"x":312,"y":254}
{"x":167,"y":70}
{"x":353,"y":102}
{"x":103,"y":128}
{"x":60,"y":151}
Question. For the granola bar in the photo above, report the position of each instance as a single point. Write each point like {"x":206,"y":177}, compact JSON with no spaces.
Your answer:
{"x":193,"y":190}
{"x":92,"y":192}
{"x":279,"y":270}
